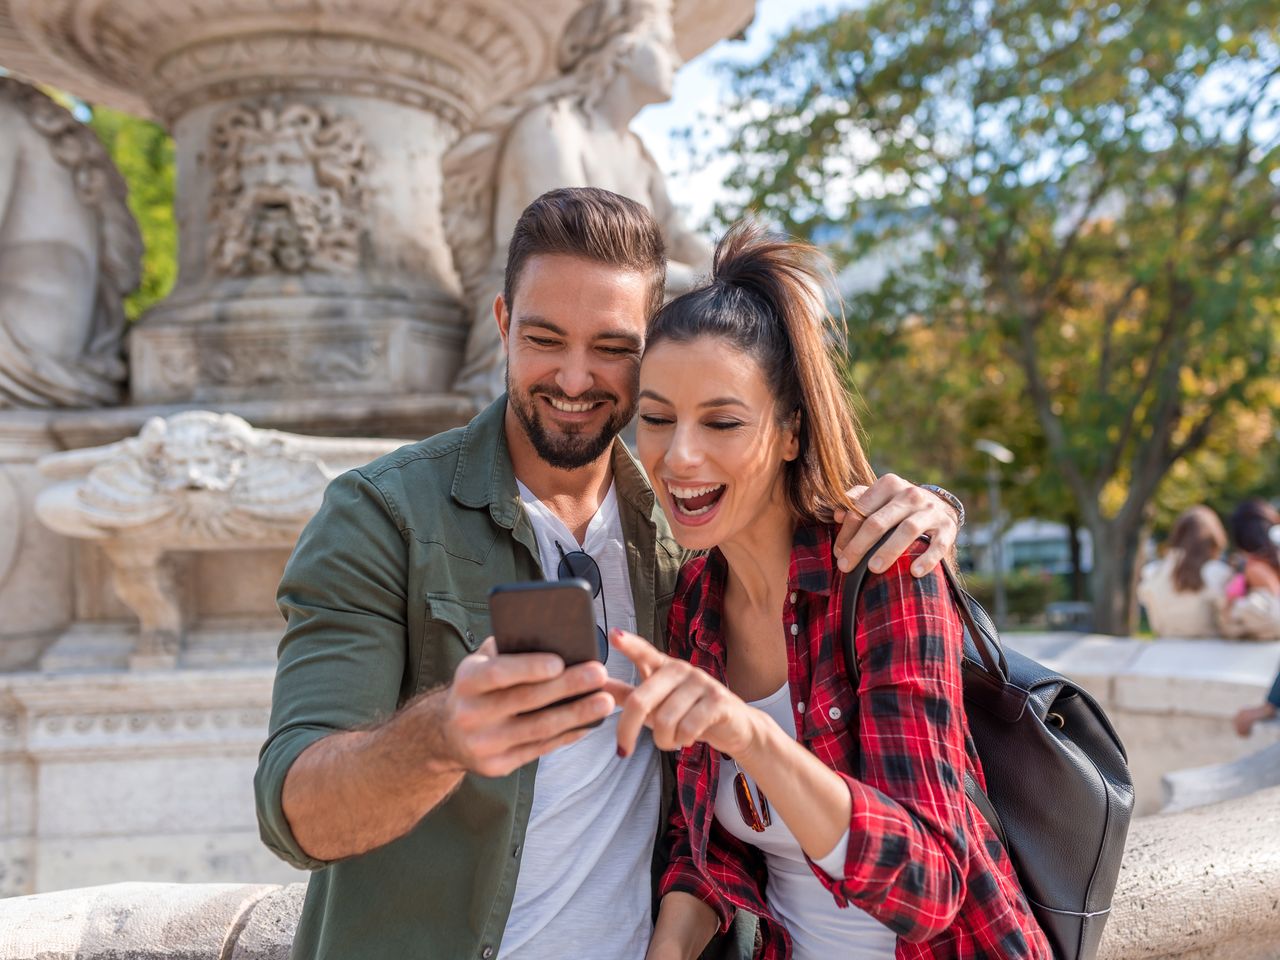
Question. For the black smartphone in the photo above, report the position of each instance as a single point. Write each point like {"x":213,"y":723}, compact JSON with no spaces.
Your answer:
{"x":546,"y":616}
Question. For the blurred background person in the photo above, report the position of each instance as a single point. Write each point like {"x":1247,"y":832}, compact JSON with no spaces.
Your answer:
{"x":1182,"y":590}
{"x":1250,"y":609}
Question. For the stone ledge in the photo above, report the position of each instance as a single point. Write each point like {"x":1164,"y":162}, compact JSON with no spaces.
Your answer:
{"x":1198,"y":677}
{"x":1197,"y":885}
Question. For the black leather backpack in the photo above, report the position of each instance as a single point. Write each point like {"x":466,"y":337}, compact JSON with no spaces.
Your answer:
{"x":1059,"y":795}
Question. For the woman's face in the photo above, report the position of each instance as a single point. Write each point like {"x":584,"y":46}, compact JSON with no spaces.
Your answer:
{"x":709,"y":438}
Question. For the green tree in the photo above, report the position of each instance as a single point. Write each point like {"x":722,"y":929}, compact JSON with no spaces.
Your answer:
{"x":144,"y":154}
{"x":1090,"y":187}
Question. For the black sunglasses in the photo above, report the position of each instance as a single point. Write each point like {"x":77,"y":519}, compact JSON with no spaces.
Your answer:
{"x":581,"y":565}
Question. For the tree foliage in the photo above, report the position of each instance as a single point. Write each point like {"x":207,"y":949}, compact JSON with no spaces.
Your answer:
{"x":145,"y":156}
{"x":1089,"y":192}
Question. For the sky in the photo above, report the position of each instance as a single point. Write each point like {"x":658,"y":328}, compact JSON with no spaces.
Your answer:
{"x":698,"y":88}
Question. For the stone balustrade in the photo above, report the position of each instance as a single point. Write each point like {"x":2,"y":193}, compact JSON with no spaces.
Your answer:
{"x":1197,"y":885}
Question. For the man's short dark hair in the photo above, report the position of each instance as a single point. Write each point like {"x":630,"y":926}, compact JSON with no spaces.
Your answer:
{"x":593,"y":224}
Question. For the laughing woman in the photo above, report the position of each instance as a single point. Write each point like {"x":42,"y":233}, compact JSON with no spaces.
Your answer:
{"x":837,"y":815}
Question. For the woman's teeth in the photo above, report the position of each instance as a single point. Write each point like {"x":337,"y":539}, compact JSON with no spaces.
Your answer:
{"x":695,"y":501}
{"x":570,"y":407}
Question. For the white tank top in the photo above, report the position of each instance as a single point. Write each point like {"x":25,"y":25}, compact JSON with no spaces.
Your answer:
{"x":819,"y":929}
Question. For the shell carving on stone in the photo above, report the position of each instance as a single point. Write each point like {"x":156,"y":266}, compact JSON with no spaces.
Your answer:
{"x":197,"y":480}
{"x":194,"y":481}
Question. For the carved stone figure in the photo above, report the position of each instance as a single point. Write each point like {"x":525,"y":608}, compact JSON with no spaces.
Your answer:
{"x":70,"y":251}
{"x":195,"y":481}
{"x":616,"y":57}
{"x":288,"y":191}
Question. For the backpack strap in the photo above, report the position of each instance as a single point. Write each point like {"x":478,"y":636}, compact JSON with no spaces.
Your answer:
{"x":994,"y":663}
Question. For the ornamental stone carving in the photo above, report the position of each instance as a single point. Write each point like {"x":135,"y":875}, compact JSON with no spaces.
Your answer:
{"x":195,"y":481}
{"x":70,"y":251}
{"x":289,"y":185}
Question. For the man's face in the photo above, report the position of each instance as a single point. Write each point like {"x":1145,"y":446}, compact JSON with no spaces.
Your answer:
{"x":573,"y":336}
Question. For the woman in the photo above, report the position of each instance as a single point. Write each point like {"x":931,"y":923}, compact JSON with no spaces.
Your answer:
{"x":1180,"y":591}
{"x":1251,"y":607}
{"x":748,"y":440}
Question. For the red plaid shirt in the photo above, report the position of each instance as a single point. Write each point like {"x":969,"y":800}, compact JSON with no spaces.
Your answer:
{"x":921,"y":859}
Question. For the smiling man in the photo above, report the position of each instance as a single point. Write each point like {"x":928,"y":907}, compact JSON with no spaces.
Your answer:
{"x":405,"y":765}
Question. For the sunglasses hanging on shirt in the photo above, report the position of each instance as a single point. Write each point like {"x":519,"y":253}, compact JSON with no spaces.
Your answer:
{"x":581,"y":565}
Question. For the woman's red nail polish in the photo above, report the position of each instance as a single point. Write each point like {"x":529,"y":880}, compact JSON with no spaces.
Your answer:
{"x":622,"y":754}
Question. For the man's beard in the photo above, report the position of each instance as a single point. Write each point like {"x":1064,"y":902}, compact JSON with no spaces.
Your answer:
{"x":567,"y":451}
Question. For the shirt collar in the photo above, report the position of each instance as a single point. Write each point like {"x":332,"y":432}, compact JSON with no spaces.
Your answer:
{"x":812,"y":570}
{"x":485,"y":477}
{"x":813,"y":564}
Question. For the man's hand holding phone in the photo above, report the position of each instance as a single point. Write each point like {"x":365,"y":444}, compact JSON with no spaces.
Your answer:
{"x":499,"y":713}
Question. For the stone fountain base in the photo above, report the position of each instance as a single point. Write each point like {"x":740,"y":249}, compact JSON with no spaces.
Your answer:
{"x":145,"y":775}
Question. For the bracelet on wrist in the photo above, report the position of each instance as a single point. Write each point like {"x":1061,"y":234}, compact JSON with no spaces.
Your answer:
{"x":947,"y":497}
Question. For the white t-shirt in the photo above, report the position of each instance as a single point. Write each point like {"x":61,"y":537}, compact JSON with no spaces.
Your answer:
{"x":584,"y":884}
{"x":819,"y":929}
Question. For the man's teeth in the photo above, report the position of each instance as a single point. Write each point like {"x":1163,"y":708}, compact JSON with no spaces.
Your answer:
{"x":688,"y":493}
{"x":570,"y":407}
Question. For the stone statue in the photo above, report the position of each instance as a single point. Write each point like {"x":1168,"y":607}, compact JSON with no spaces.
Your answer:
{"x":70,"y":251}
{"x":616,"y":57}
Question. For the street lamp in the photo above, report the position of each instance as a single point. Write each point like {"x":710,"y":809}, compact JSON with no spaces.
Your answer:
{"x":998,"y":453}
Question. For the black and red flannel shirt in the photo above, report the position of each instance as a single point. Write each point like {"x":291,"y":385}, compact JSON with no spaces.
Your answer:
{"x":921,"y":859}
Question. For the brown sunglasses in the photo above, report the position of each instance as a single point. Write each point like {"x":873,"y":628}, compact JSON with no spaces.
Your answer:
{"x":755,"y":816}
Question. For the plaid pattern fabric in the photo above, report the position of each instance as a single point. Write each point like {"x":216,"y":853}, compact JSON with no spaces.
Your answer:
{"x":921,"y":859}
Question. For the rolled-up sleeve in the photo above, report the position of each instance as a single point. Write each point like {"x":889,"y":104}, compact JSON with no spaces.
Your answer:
{"x":907,"y":859}
{"x":342,"y":659}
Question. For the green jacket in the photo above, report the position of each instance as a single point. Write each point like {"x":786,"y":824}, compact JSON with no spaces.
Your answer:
{"x":385,"y":593}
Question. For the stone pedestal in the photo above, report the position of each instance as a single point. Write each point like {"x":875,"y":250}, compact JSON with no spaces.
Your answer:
{"x":313,"y":258}
{"x":142,"y":775}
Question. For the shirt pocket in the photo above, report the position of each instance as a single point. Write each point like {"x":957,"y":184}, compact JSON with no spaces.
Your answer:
{"x":452,"y":629}
{"x":829,"y":723}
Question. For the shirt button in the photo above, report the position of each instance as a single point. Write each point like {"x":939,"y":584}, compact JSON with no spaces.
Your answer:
{"x":800,"y":707}
{"x":793,"y":596}
{"x":834,"y":713}
{"x":487,"y":952}
{"x":795,"y":629}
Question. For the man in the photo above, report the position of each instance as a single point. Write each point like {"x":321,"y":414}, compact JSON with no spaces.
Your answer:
{"x":402,"y":747}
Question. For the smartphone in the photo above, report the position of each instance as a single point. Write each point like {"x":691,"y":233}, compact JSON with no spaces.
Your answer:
{"x":545,"y":616}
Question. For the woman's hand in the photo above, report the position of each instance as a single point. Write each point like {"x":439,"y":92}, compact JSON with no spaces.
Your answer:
{"x":680,"y":703}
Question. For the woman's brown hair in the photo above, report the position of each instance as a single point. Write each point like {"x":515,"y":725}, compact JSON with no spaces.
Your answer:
{"x":1251,"y":525}
{"x":1199,"y":536}
{"x":765,"y":298}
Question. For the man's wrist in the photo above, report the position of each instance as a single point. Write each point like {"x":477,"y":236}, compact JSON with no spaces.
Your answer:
{"x":432,"y":724}
{"x":947,"y":497}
